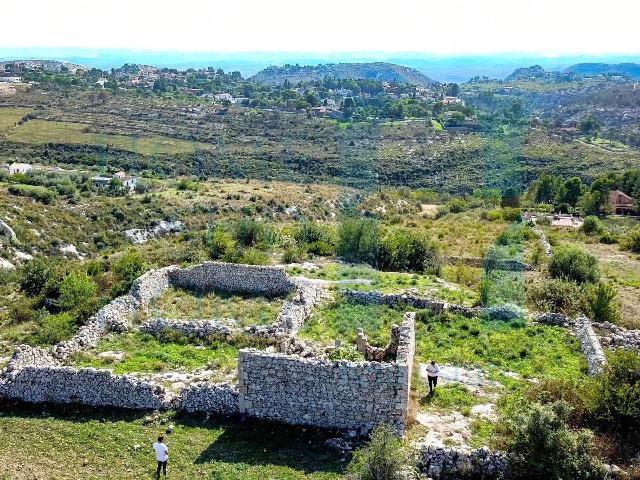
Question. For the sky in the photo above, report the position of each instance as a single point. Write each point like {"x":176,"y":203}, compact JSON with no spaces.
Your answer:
{"x":444,"y":27}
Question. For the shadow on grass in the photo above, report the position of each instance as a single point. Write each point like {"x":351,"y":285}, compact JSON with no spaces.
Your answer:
{"x":251,"y":442}
{"x":254,"y":442}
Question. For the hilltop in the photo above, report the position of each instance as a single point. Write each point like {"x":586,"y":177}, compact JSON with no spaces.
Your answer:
{"x":381,"y":71}
{"x":630,"y":69}
{"x":47,"y":65}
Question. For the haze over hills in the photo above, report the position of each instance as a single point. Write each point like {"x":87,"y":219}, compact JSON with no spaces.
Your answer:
{"x":385,"y":72}
{"x":630,"y":69}
{"x":456,"y":68}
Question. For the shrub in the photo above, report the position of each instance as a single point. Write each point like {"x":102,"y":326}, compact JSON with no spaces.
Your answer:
{"x":127,"y":268}
{"x":572,"y":263}
{"x":384,"y":457}
{"x":249,"y":232}
{"x":22,"y":311}
{"x":55,"y":328}
{"x":321,"y":248}
{"x":600,"y":303}
{"x":491,"y":215}
{"x":293,"y":254}
{"x":543,"y":447}
{"x":632,"y":242}
{"x":77,"y":292}
{"x":41,"y":194}
{"x":407,"y":251}
{"x":248,"y":256}
{"x":608,"y":238}
{"x":358,"y":240}
{"x":592,"y":225}
{"x":457,"y":205}
{"x":442,"y":211}
{"x":511,"y":214}
{"x":555,"y":295}
{"x":36,"y":274}
{"x":218,"y":243}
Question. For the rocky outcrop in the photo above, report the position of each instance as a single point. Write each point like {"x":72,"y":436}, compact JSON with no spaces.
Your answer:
{"x":8,"y":232}
{"x":590,"y":345}
{"x":143,"y":235}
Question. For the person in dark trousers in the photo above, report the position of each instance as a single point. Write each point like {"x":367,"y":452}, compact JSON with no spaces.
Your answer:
{"x":162,"y":456}
{"x":432,"y":375}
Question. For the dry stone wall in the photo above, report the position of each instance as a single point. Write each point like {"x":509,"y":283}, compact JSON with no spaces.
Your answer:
{"x":229,"y":277}
{"x":442,"y":462}
{"x":590,"y":344}
{"x":617,"y":337}
{"x":330,"y":394}
{"x":209,"y":397}
{"x":373,"y":297}
{"x":86,"y":386}
{"x":509,"y":265}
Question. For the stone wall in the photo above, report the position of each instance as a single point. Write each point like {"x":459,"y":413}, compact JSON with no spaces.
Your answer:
{"x":254,"y":279}
{"x":209,"y":397}
{"x":590,"y":345}
{"x":86,"y":386}
{"x":441,"y":462}
{"x":614,"y":336}
{"x":329,"y":394}
{"x":509,"y":265}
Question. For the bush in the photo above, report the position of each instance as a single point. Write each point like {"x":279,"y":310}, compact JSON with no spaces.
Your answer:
{"x":55,"y":328}
{"x":321,"y":248}
{"x":407,"y":251}
{"x":572,"y":263}
{"x":218,"y":243}
{"x":608,"y":238}
{"x":556,"y":295}
{"x":442,"y":211}
{"x":22,"y":311}
{"x":293,"y":254}
{"x":249,"y":232}
{"x":248,"y":256}
{"x":41,"y":194}
{"x":127,"y":268}
{"x":358,"y":240}
{"x":36,"y":274}
{"x":511,"y":214}
{"x":600,"y":303}
{"x":543,"y":447}
{"x":491,"y":215}
{"x":457,"y":205}
{"x":77,"y":292}
{"x":592,"y":225}
{"x":384,"y":458}
{"x":632,"y":242}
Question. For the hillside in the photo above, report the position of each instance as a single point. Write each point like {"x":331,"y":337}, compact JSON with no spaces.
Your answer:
{"x":46,"y":65}
{"x":630,"y":69}
{"x":385,"y":72}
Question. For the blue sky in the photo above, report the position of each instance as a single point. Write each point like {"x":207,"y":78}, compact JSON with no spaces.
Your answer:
{"x":451,"y":27}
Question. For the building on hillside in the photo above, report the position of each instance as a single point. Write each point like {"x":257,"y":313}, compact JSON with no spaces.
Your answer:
{"x":621,"y":203}
{"x":19,"y":168}
{"x":452,"y":100}
{"x":10,"y":79}
{"x":103,"y":181}
{"x":224,"y":97}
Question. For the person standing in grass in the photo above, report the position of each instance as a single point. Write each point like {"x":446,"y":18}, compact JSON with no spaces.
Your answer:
{"x":162,"y":456}
{"x":432,"y":375}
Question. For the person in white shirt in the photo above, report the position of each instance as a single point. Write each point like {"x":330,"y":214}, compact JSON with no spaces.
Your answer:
{"x":162,"y":456}
{"x":432,"y":375}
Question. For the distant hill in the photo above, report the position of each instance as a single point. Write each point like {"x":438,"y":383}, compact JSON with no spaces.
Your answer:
{"x":48,"y":65}
{"x":527,"y":73}
{"x":384,"y":72}
{"x":630,"y":69}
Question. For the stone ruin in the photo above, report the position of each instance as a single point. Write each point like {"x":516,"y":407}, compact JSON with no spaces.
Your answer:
{"x":282,"y":385}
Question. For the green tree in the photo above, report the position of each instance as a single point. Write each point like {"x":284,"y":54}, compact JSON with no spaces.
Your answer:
{"x":77,"y":293}
{"x":573,"y":190}
{"x":572,"y":263}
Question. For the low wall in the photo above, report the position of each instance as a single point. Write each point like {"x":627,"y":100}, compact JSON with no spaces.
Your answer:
{"x":590,"y":344}
{"x":209,"y":397}
{"x":614,"y":336}
{"x":328,"y":394}
{"x":450,"y":463}
{"x":86,"y":386}
{"x":254,"y":279}
{"x":479,"y":262}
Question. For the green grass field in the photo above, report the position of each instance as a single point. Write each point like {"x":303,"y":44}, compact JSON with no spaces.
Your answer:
{"x":68,"y":443}
{"x":246,"y":309}
{"x":44,"y":131}
{"x":9,"y":117}
{"x":143,"y":353}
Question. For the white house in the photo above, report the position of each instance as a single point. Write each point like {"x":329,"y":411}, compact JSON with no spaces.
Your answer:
{"x":10,"y":79}
{"x":19,"y":168}
{"x":224,"y":97}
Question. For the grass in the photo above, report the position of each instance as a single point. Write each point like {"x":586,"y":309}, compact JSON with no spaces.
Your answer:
{"x":67,"y":443}
{"x":9,"y":116}
{"x":146,"y":354}
{"x":337,"y":320}
{"x":531,"y":351}
{"x":245,"y":309}
{"x":44,"y":131}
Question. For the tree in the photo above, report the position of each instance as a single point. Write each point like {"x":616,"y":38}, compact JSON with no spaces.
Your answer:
{"x":77,"y":292}
{"x":573,"y":190}
{"x":453,"y":89}
{"x":590,"y":126}
{"x":348,"y":107}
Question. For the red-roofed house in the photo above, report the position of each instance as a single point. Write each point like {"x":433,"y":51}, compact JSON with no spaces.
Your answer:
{"x":621,"y":203}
